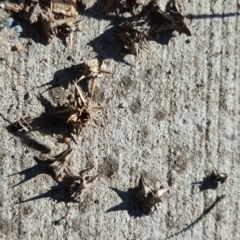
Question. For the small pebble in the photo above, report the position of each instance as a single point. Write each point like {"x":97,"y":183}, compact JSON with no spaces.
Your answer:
{"x":61,"y":221}
{"x":14,"y":25}
{"x":66,"y":140}
{"x":17,"y":47}
{"x":28,"y":96}
{"x":122,"y":105}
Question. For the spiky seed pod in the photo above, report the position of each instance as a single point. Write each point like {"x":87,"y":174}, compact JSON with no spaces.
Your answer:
{"x":150,"y":199}
{"x":82,"y":183}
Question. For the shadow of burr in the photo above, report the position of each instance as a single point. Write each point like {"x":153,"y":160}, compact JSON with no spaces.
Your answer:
{"x":31,"y":139}
{"x":49,"y":124}
{"x":44,"y":124}
{"x":33,"y":31}
{"x":208,"y":182}
{"x":58,"y":193}
{"x":42,"y":167}
{"x":129,"y":202}
{"x":163,"y":37}
{"x":96,"y":12}
{"x":108,"y":46}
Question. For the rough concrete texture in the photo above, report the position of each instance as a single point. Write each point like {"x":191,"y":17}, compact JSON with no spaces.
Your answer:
{"x":181,"y":116}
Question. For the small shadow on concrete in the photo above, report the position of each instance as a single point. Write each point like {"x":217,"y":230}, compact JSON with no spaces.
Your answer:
{"x":219,"y":15}
{"x":129,"y":202}
{"x":96,"y":12}
{"x":58,"y":193}
{"x":65,"y":76}
{"x":42,"y":167}
{"x":49,"y":124}
{"x":208,"y":182}
{"x":108,"y":45}
{"x":198,"y":219}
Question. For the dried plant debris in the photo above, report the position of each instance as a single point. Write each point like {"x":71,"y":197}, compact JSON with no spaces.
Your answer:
{"x":34,"y":137}
{"x":24,"y":121}
{"x":80,"y":184}
{"x":218,"y":178}
{"x":213,"y":180}
{"x":93,"y":69}
{"x":150,"y":22}
{"x":170,"y":19}
{"x":79,"y":111}
{"x":135,"y":35}
{"x":61,"y":164}
{"x":149,"y":198}
{"x":116,"y":7}
{"x":66,"y":8}
{"x":57,"y":17}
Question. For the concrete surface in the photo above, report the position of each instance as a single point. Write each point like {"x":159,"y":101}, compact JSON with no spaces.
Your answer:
{"x":181,"y":116}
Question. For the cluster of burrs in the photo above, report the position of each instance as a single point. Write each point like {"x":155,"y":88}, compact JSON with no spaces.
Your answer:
{"x":147,"y":20}
{"x":56,"y":18}
{"x":79,"y":111}
{"x":78,"y":183}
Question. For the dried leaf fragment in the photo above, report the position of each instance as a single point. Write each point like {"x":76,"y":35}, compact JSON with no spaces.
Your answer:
{"x":168,"y":19}
{"x":64,"y":7}
{"x":150,"y":199}
{"x":135,"y":35}
{"x":81,"y":184}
